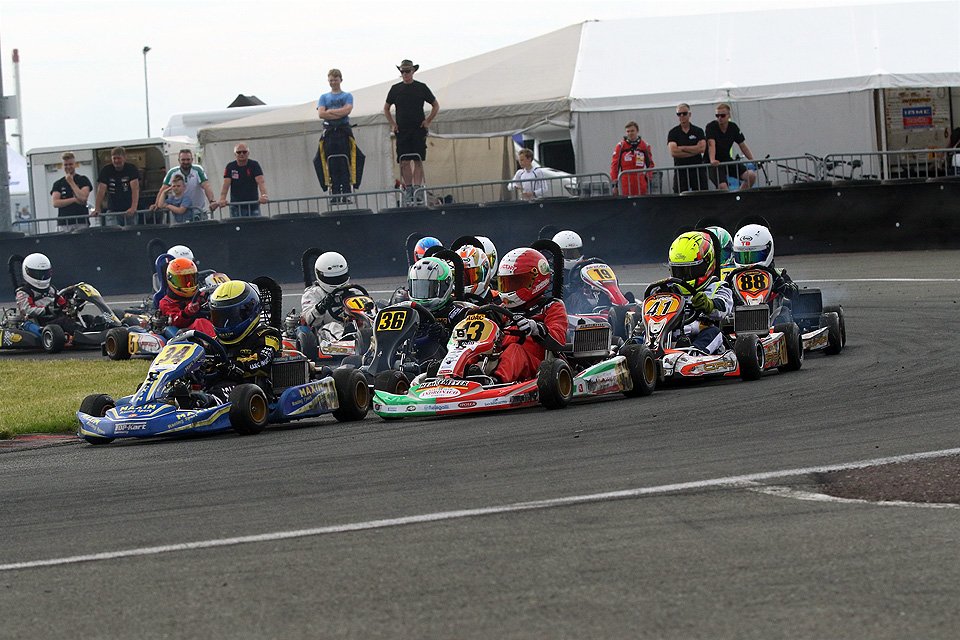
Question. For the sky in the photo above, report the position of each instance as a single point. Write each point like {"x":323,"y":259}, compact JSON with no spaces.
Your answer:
{"x":82,"y":63}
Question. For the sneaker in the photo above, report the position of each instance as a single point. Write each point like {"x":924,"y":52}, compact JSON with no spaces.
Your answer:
{"x":474,"y":370}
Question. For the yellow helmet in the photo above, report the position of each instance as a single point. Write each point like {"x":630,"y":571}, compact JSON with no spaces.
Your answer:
{"x":692,"y":258}
{"x":234,"y":310}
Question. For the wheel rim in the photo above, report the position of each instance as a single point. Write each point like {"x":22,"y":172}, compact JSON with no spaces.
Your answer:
{"x":760,"y":356}
{"x":111,"y":345}
{"x":649,"y":370}
{"x":361,"y":393}
{"x":565,"y":383}
{"x":47,"y":339}
{"x":258,"y":408}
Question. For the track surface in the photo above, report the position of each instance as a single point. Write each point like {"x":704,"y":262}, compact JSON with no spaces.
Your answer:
{"x":709,"y":559}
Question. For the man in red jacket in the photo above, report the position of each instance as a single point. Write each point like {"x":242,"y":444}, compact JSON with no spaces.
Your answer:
{"x":631,"y":154}
{"x":524,"y":284}
{"x":179,"y":302}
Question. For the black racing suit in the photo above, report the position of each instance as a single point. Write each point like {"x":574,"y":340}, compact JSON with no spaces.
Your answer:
{"x":249,"y":361}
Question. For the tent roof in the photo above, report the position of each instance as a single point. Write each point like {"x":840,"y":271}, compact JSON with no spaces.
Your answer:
{"x":638,"y":63}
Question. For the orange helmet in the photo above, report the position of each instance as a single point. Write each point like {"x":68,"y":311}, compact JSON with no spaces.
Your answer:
{"x":182,"y":277}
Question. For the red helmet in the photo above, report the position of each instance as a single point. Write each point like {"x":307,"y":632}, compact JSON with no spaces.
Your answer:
{"x":523,"y":277}
{"x":182,"y":277}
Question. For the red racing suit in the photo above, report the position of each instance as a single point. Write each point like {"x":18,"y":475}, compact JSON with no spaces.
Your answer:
{"x":176,"y":307}
{"x":521,"y":361}
{"x":629,"y":156}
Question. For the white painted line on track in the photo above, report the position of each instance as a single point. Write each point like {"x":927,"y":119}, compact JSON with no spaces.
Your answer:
{"x":797,"y":494}
{"x":835,"y":280}
{"x":732,"y":481}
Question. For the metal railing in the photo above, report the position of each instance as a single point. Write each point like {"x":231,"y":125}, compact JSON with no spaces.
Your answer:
{"x":584,"y":185}
{"x":913,"y":164}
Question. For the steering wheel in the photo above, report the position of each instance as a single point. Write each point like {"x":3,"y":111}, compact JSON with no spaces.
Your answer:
{"x":213,"y":349}
{"x":502,"y":318}
{"x":677,"y":286}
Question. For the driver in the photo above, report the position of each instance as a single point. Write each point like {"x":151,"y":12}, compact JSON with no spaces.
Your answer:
{"x":37,"y":300}
{"x":322,"y":302}
{"x":753,"y":247}
{"x":692,"y":260}
{"x":250,"y":342}
{"x":431,"y":285}
{"x":578,"y":297}
{"x":726,"y":250}
{"x":477,"y":275}
{"x":523,"y":279}
{"x":181,"y":303}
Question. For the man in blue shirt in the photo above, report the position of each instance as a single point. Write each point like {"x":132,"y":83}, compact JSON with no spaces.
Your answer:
{"x":337,"y":153}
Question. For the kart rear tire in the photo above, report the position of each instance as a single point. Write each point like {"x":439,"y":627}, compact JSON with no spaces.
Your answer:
{"x":617,"y":316}
{"x":308,"y":346}
{"x":248,"y":409}
{"x":117,"y":344}
{"x":794,"y":340}
{"x":130,"y":321}
{"x":643,"y":369}
{"x":53,"y":338}
{"x":353,"y":395}
{"x":749,"y":352}
{"x":97,"y":405}
{"x":392,"y":381}
{"x":837,"y":309}
{"x":555,"y":383}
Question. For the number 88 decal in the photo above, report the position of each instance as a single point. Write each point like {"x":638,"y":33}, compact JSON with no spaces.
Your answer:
{"x":753,"y":281}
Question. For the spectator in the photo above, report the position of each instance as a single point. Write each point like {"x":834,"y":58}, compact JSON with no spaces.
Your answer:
{"x":410,"y":126}
{"x":337,"y":140}
{"x":631,"y":154}
{"x":721,"y":134}
{"x":244,"y":178}
{"x":953,"y":158}
{"x":70,"y":194}
{"x":120,"y":182}
{"x":687,"y":143}
{"x":178,"y":203}
{"x":197,"y":184}
{"x":528,"y":179}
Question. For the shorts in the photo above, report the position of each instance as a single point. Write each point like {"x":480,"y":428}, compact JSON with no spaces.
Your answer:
{"x":720,"y":174}
{"x":411,"y":142}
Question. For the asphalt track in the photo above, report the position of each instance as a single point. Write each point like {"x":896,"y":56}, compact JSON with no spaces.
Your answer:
{"x":658,"y":517}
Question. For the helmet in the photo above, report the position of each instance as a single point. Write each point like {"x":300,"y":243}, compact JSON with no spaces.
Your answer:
{"x":331,"y":270}
{"x":572,"y":246}
{"x":36,"y":270}
{"x":726,"y":245}
{"x":753,"y":245}
{"x":523,"y":277}
{"x":431,"y":283}
{"x":182,"y":277}
{"x":234,"y":310}
{"x":423,"y":244}
{"x":476,"y":270}
{"x":692,"y":259}
{"x":491,"y":250}
{"x":181,"y":251}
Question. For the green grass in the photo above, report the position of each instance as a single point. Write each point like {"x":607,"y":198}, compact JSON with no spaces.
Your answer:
{"x":43,"y":396}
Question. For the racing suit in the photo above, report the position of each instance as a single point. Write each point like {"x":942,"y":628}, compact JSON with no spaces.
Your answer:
{"x":629,"y":156}
{"x":323,"y":312}
{"x":521,"y":361}
{"x":185,"y":314}
{"x":705,"y":329}
{"x":783,"y":287}
{"x":249,"y":361}
{"x":431,"y":340}
{"x":43,"y":307}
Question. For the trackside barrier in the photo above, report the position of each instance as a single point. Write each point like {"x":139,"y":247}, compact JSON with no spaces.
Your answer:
{"x":771,"y":172}
{"x":566,"y":187}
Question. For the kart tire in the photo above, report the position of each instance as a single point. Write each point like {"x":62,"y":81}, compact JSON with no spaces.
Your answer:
{"x":353,"y":395}
{"x":97,"y":405}
{"x":837,"y":309}
{"x":130,"y":321}
{"x":794,"y":340}
{"x":117,"y":344}
{"x":248,"y":409}
{"x":53,"y":338}
{"x":308,"y":346}
{"x":749,"y":352}
{"x":392,"y":381}
{"x":831,"y":320}
{"x":617,"y":316}
{"x":643,"y":369}
{"x":555,"y":383}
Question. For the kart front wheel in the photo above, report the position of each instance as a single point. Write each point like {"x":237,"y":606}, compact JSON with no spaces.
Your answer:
{"x":837,"y":334}
{"x":555,"y":383}
{"x":643,"y":369}
{"x":248,"y":409}
{"x":353,"y":394}
{"x":749,"y":352}
{"x":791,"y":332}
{"x":117,"y":344}
{"x":392,"y":381}
{"x":53,"y":338}
{"x":97,"y":405}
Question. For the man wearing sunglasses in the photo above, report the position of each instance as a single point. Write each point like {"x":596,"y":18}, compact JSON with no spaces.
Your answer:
{"x":687,"y":143}
{"x":721,"y":134}
{"x":410,"y":126}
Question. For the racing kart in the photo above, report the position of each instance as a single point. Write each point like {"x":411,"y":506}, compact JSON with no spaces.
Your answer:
{"x":173,"y":398}
{"x":587,"y":367}
{"x":595,"y":283}
{"x":822,"y":327}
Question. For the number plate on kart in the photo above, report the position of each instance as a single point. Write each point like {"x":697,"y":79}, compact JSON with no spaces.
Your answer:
{"x":173,"y":354}
{"x":392,"y":320}
{"x":753,"y":283}
{"x":357,"y":303}
{"x":474,"y":329}
{"x":661,"y":304}
{"x":601,"y":273}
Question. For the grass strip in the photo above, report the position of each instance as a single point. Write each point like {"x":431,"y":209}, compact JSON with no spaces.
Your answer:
{"x":43,"y":396}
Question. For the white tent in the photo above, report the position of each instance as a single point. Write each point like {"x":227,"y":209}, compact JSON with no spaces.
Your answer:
{"x":800,"y":80}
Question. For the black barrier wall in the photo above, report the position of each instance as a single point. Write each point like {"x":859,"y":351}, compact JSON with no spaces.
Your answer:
{"x":887,"y":217}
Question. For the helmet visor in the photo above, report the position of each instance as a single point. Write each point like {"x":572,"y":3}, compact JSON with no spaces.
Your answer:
{"x":424,"y":289}
{"x":185,"y":282}
{"x":726,"y":254}
{"x":752,"y":256}
{"x":473,"y":275}
{"x":40,"y":274}
{"x":334,"y":280}
{"x":689,"y":272}
{"x":573,"y":253}
{"x":515,"y":282}
{"x":226,"y":318}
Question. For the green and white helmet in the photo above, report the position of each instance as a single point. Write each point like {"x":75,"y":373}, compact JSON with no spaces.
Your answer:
{"x":726,"y":245}
{"x":430,"y":282}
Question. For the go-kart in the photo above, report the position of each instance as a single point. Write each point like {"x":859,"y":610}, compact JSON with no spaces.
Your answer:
{"x":753,"y":348}
{"x":174,"y":398}
{"x":821,"y":327}
{"x":462,"y":383}
{"x":594,"y":295}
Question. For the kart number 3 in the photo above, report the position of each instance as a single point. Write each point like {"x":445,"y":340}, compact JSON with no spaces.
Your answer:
{"x":391,"y":320}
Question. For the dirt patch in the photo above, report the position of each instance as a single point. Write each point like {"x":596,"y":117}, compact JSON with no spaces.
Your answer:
{"x":932,"y":480}
{"x":37,"y":440}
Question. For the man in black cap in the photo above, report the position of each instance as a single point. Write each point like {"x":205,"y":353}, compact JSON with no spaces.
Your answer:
{"x":410,"y":126}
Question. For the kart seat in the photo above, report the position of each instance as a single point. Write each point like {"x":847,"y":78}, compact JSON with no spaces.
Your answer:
{"x":161,"y":269}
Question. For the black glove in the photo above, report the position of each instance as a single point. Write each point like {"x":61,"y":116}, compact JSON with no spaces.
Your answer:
{"x":321,"y":307}
{"x":232,"y":371}
{"x":437,"y":332}
{"x":702,"y":303}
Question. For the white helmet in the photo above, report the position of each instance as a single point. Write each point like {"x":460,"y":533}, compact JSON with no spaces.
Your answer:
{"x":753,"y":246}
{"x":476,"y":270}
{"x":491,"y":250}
{"x":571,"y":245}
{"x":331,"y":270}
{"x":181,"y":251}
{"x":36,"y":271}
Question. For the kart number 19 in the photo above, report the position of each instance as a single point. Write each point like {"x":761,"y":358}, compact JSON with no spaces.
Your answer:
{"x":391,"y":320}
{"x":601,"y":273}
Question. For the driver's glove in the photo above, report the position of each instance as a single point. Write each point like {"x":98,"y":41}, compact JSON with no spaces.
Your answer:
{"x":322,"y":306}
{"x":530,"y":327}
{"x":436,"y":332}
{"x":702,"y":303}
{"x":233,"y":372}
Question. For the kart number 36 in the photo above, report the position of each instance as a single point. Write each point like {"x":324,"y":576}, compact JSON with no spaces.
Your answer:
{"x":391,"y":320}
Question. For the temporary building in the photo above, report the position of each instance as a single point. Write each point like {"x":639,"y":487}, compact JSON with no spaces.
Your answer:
{"x":811,"y":80}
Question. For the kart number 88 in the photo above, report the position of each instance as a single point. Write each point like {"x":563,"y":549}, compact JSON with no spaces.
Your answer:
{"x":753,"y":281}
